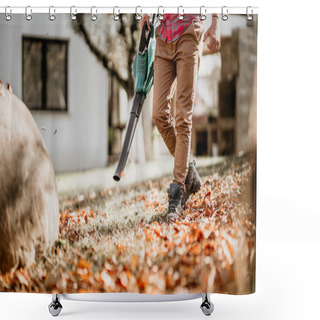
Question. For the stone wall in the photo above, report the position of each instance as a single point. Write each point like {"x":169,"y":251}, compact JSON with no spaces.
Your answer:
{"x":237,"y":89}
{"x":245,"y":85}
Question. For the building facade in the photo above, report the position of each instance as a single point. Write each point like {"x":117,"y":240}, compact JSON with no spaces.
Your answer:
{"x":52,"y":70}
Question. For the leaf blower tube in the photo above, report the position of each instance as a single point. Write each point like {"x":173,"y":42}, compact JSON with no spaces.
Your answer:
{"x":143,"y":74}
{"x":131,"y":128}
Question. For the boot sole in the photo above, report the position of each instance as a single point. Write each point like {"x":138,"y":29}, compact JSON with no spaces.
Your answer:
{"x":172,"y":217}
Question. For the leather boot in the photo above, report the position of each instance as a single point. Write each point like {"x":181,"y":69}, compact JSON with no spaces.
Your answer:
{"x":192,"y":182}
{"x":175,"y":195}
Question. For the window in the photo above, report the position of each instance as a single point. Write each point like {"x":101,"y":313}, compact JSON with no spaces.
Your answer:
{"x":45,"y":73}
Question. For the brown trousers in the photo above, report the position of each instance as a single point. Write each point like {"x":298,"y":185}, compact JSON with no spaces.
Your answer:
{"x":176,"y":67}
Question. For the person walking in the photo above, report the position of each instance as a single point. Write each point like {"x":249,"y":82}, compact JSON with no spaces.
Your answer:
{"x":179,"y":45}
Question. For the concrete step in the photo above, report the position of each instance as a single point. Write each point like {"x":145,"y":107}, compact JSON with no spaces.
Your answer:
{"x":72,"y":184}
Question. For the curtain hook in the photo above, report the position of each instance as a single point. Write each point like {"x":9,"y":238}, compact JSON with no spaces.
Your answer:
{"x":93,"y":16}
{"x":51,"y":15}
{"x":116,"y":15}
{"x":28,"y":12}
{"x":224,"y":13}
{"x":180,"y":14}
{"x":160,"y":15}
{"x":249,"y":16}
{"x":203,"y":13}
{"x":73,"y":15}
{"x":138,"y":16}
{"x":6,"y":14}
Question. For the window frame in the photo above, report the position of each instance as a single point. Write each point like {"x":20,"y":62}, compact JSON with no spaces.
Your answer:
{"x":45,"y":41}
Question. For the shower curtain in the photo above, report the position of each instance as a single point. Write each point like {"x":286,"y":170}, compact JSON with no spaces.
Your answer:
{"x":66,"y":93}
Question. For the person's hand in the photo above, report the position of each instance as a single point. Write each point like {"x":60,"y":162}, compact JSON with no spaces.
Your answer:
{"x":145,"y":18}
{"x":214,"y":34}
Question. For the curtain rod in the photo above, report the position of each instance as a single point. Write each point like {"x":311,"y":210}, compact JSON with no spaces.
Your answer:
{"x":138,"y":10}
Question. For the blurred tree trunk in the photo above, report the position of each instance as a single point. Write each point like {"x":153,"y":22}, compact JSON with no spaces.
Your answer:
{"x":113,"y":43}
{"x":29,"y":206}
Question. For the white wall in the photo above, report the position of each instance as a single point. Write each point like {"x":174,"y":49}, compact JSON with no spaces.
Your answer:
{"x":81,"y":138}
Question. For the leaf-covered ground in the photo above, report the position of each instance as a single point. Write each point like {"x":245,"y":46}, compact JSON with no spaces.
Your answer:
{"x":116,"y":241}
